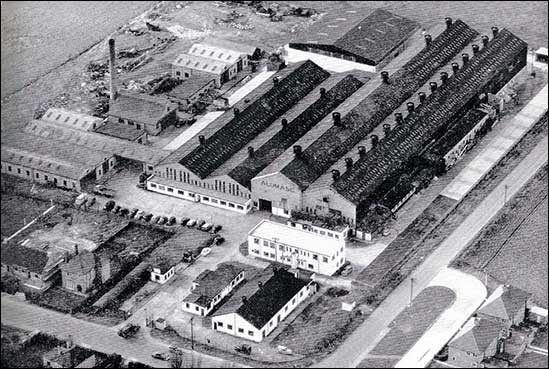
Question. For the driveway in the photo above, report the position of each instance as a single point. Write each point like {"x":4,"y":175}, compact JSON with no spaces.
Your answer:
{"x":470,"y":293}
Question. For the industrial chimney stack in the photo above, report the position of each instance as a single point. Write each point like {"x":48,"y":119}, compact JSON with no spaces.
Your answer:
{"x":112,"y":70}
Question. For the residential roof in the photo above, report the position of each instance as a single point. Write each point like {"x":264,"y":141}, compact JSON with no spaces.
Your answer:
{"x":287,"y":235}
{"x":142,"y":108}
{"x":211,"y":283}
{"x":162,"y":263}
{"x":318,"y":157}
{"x":78,"y":140}
{"x":254,"y":119}
{"x":284,"y":138}
{"x":123,"y":131}
{"x":372,"y":38}
{"x":477,"y":335}
{"x":83,"y":263}
{"x":263,"y":303}
{"x":54,"y":157}
{"x":32,"y":259}
{"x":231,"y":45}
{"x":191,"y":86}
{"x":201,"y":63}
{"x":72,"y":119}
{"x":409,"y":139}
{"x":214,"y":52}
{"x":504,"y":302}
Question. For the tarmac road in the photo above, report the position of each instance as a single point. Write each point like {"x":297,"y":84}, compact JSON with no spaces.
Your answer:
{"x":355,"y":348}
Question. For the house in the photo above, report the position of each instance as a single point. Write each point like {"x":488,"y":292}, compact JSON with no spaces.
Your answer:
{"x":144,"y":112}
{"x":78,"y":272}
{"x":191,"y":90}
{"x":210,"y":287}
{"x":33,"y":267}
{"x":506,"y":304}
{"x":478,"y":339}
{"x":259,"y":306}
{"x":537,"y":314}
{"x":298,"y":248}
{"x":69,"y":357}
{"x":162,"y":270}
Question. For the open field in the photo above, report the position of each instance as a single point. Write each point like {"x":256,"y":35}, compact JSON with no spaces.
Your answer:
{"x":532,"y":360}
{"x":513,"y":247}
{"x":541,"y":339}
{"x":16,"y":210}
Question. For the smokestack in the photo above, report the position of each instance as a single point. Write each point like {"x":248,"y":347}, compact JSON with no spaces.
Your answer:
{"x":410,"y":106}
{"x":362,"y":151}
{"x":385,"y":76}
{"x":475,"y":49}
{"x":495,"y":31}
{"x":336,"y":116}
{"x":465,"y":58}
{"x":284,"y":122}
{"x":322,"y":92}
{"x":398,"y":118}
{"x":201,"y":139}
{"x":444,"y":77}
{"x":348,"y":163}
{"x":485,"y":40}
{"x":428,"y":40}
{"x":275,"y":81}
{"x":112,"y":70}
{"x":375,"y":140}
{"x":433,"y":86}
{"x":236,"y":112}
{"x":455,"y":67}
{"x":335,"y":174}
{"x":448,"y":21}
{"x":297,"y":150}
{"x":75,"y":249}
{"x":422,"y":97}
{"x":251,"y":151}
{"x":386,"y":129}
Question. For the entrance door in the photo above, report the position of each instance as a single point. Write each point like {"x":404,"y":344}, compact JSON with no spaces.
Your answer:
{"x":265,"y":205}
{"x":239,"y":65}
{"x":215,"y":326}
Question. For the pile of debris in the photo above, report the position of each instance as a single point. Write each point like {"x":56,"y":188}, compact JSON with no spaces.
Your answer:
{"x":276,"y":11}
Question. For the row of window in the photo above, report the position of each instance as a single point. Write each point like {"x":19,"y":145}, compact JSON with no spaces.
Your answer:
{"x":296,"y":250}
{"x":230,"y":327}
{"x":315,"y":230}
{"x":131,"y":123}
{"x":46,"y":177}
{"x":22,"y":270}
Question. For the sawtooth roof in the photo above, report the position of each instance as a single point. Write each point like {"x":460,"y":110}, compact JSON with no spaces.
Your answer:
{"x":254,"y":119}
{"x":434,"y":114}
{"x":359,"y":122}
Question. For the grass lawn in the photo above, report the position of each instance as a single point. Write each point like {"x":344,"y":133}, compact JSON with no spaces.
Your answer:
{"x":414,"y":321}
{"x":17,"y":209}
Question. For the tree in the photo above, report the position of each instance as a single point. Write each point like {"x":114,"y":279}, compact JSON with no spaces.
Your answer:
{"x":176,"y":358}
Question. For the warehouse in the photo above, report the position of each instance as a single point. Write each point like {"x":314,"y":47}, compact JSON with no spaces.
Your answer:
{"x":369,"y":43}
{"x":191,"y":90}
{"x":298,"y":248}
{"x":72,"y":119}
{"x":186,"y":66}
{"x":258,"y":307}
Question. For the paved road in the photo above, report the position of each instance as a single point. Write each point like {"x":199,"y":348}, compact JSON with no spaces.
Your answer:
{"x":355,"y":348}
{"x":98,"y":337}
{"x":470,"y":293}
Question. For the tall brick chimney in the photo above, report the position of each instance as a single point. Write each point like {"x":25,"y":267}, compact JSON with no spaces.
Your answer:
{"x":112,"y":70}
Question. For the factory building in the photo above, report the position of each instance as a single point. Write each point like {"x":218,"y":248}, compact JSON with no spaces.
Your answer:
{"x":72,"y":119}
{"x":365,"y":43}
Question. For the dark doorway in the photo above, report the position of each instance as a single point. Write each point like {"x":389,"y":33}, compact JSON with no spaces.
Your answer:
{"x":239,"y":65}
{"x":79,"y":288}
{"x":265,"y":205}
{"x":215,"y":326}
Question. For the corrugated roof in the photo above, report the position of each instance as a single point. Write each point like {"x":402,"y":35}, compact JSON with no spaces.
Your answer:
{"x":358,"y":123}
{"x":278,"y":288}
{"x":283,"y":139}
{"x":410,"y":138}
{"x":141,"y":107}
{"x":214,"y":52}
{"x":373,"y":37}
{"x":255,"y":118}
{"x":201,"y":63}
{"x":71,"y":119}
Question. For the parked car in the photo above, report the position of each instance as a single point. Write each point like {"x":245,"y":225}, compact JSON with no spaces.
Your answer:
{"x":123,"y":212}
{"x":147,"y":217}
{"x":200,"y":223}
{"x":346,"y":270}
{"x":128,"y":330}
{"x":188,"y":256}
{"x":184,"y":221}
{"x":155,"y":219}
{"x":161,"y":356}
{"x":163,"y":220}
{"x":116,"y":209}
{"x":191,"y":223}
{"x":109,"y":205}
{"x":205,"y":251}
{"x":133,"y":213}
{"x":244,"y":348}
{"x":217,"y":228}
{"x":80,"y":200}
{"x":139,"y":214}
{"x":171,"y":221}
{"x":219,"y":240}
{"x":206,"y":227}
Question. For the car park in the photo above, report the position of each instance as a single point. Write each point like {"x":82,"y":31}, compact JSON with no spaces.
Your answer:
{"x":109,"y":205}
{"x":184,"y":221}
{"x":161,"y":356}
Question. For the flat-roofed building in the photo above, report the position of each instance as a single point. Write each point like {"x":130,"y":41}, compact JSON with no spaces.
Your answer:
{"x":298,"y":248}
{"x":124,"y":132}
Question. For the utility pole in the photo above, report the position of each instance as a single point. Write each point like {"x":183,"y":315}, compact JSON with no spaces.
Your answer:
{"x":192,"y":334}
{"x":411,"y":290}
{"x":505,"y":188}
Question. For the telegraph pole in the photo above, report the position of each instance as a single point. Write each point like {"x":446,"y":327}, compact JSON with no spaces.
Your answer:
{"x":192,"y":334}
{"x":505,"y":188}
{"x":411,"y":290}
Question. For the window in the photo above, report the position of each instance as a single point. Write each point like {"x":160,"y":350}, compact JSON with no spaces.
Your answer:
{"x":153,"y":185}
{"x":273,"y":256}
{"x":9,"y":168}
{"x":196,"y":307}
{"x":256,"y":241}
{"x":205,"y":198}
{"x":286,"y":308}
{"x":220,"y":324}
{"x":187,"y":305}
{"x":19,"y":170}
{"x":180,"y":192}
{"x":300,"y":293}
{"x":138,"y":126}
{"x":214,"y":201}
{"x":191,"y":194}
{"x":315,"y":257}
{"x":240,"y":207}
{"x":46,"y":178}
{"x":240,"y":330}
{"x":293,"y":301}
{"x":231,"y":205}
{"x":310,"y":266}
{"x":37,"y":175}
{"x":130,"y":122}
{"x":28,"y":173}
{"x":186,"y":75}
{"x":330,"y":234}
{"x":223,"y":203}
{"x":170,"y":189}
{"x":266,"y":254}
{"x":271,"y":323}
{"x":325,"y":259}
{"x":271,"y":245}
{"x":322,"y":233}
{"x":265,"y":243}
{"x":229,"y":326}
{"x":250,"y":333}
{"x":161,"y":187}
{"x":281,"y":247}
